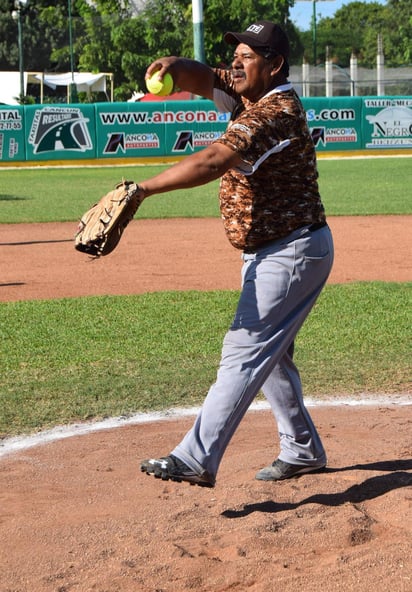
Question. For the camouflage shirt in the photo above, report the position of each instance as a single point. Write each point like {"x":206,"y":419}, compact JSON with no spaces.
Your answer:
{"x":275,"y":191}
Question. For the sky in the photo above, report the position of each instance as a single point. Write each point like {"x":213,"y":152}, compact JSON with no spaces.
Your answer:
{"x":301,"y":13}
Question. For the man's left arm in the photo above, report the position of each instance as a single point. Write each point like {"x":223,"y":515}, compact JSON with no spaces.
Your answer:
{"x":194,"y":170}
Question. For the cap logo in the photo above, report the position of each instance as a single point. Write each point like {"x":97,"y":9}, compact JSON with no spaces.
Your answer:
{"x":255,"y":29}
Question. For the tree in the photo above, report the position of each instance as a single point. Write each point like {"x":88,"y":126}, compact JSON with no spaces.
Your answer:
{"x":163,"y":27}
{"x":354,"y":29}
{"x":45,"y":32}
{"x":397,"y":44}
{"x":160,"y":29}
{"x":344,"y":33}
{"x":9,"y":53}
{"x":97,"y":51}
{"x":236,"y":15}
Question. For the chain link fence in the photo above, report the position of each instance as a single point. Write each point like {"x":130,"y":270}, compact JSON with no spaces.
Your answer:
{"x":332,"y":80}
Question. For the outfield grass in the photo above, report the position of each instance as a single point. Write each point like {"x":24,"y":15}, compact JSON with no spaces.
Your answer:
{"x":76,"y":359}
{"x":348,"y":187}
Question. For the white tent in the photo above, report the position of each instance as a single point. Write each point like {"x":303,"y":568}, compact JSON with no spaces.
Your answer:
{"x":84,"y":81}
{"x":10,"y":87}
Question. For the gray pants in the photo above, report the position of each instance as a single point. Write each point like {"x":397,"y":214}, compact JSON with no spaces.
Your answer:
{"x":280,"y":284}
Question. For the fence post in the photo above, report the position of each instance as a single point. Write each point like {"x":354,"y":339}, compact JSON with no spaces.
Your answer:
{"x":305,"y":79}
{"x":353,"y":75}
{"x":380,"y":74}
{"x":328,"y":74}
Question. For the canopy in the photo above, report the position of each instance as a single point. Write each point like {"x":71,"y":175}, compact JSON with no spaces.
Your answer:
{"x":10,"y":87}
{"x":84,"y":81}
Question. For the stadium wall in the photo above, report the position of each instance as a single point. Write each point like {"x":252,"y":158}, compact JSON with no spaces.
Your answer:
{"x":169,"y":130}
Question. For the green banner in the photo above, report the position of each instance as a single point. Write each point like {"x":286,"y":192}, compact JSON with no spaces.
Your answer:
{"x":56,"y":132}
{"x":335,"y":122}
{"x":164,"y":128}
{"x":124,"y":129}
{"x":387,"y":122}
{"x":12,"y":136}
{"x":178,"y":128}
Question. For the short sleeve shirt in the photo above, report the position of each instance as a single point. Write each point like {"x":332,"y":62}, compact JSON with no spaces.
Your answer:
{"x":275,"y":191}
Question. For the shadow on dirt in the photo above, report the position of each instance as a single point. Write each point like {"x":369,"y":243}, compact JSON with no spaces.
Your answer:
{"x":395,"y":478}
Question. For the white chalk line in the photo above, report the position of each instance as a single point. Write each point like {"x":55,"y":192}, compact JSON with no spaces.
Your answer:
{"x":24,"y":442}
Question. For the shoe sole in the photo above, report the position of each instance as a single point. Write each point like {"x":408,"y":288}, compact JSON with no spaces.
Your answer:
{"x":303,"y":471}
{"x":166,"y":477}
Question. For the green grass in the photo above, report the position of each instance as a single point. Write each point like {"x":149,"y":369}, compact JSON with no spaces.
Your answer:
{"x":366,"y":186}
{"x":60,"y":195}
{"x":76,"y":359}
{"x":348,"y":187}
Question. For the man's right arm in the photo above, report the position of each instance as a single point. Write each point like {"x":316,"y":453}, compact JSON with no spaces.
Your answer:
{"x":188,"y":75}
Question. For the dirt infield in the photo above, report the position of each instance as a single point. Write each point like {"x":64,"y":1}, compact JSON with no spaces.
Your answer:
{"x":76,"y":514}
{"x":39,"y":261}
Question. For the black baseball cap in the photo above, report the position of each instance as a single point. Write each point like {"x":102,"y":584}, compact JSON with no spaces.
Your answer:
{"x":263,"y":36}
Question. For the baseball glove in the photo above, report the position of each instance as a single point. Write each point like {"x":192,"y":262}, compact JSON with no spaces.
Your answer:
{"x":102,"y":226}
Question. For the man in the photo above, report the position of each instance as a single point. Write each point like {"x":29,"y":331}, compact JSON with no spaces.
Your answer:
{"x":272,"y":212}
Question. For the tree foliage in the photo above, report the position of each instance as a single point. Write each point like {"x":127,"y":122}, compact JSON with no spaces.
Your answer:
{"x":160,"y":29}
{"x":397,"y":39}
{"x":236,"y":15}
{"x":354,"y":29}
{"x":108,"y":37}
{"x":45,"y":36}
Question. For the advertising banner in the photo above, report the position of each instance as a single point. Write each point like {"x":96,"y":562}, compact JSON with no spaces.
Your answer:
{"x":156,"y":129}
{"x":335,"y":123}
{"x":178,"y":128}
{"x":387,"y":122}
{"x":56,"y":132}
{"x":12,"y":137}
{"x":125,"y":129}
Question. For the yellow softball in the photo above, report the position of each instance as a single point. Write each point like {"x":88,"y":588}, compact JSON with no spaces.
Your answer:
{"x":160,"y":87}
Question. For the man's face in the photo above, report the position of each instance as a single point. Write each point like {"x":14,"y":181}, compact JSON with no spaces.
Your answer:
{"x":252,"y":74}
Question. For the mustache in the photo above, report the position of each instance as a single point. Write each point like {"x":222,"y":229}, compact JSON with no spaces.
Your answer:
{"x":237,"y":74}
